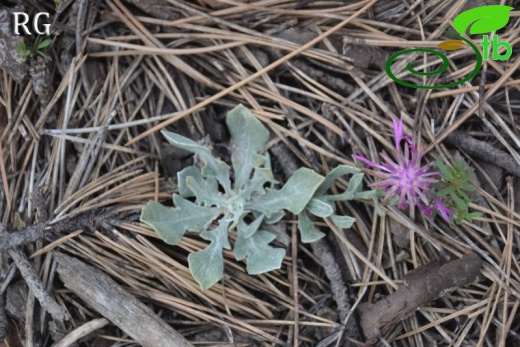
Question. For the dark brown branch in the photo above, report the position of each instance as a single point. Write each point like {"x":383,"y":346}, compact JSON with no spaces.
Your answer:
{"x":421,"y":286}
{"x":484,"y":151}
{"x":338,"y":288}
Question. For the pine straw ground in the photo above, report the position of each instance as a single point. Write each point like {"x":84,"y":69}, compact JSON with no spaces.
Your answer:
{"x":82,"y":136}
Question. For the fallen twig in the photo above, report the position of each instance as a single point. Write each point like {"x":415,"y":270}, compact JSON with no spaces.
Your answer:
{"x":33,"y":281}
{"x":421,"y":286}
{"x":20,"y":238}
{"x":89,"y":220}
{"x":484,"y":151}
{"x":339,"y":290}
{"x":81,"y":332}
{"x":105,"y":296}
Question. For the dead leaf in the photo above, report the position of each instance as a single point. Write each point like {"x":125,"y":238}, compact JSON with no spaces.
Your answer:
{"x":451,"y":45}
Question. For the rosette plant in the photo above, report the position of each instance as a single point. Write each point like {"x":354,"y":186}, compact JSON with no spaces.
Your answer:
{"x":212,"y":204}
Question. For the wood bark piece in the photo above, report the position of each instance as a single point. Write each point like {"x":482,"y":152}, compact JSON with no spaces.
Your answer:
{"x":421,"y":286}
{"x":104,"y":295}
{"x":484,"y":151}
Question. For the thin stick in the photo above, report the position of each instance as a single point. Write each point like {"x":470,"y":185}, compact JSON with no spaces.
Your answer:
{"x":81,"y":332}
{"x":35,"y":284}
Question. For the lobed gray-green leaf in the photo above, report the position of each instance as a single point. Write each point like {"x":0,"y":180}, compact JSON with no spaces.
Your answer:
{"x":275,"y":217}
{"x":246,"y":230}
{"x":216,"y":168}
{"x":213,"y":167}
{"x":171,"y":223}
{"x":344,"y":222}
{"x":185,"y":143}
{"x":261,"y":257}
{"x":354,"y":186}
{"x":248,"y":136}
{"x":261,"y":176}
{"x":205,"y":190}
{"x":188,"y":171}
{"x":308,"y":231}
{"x":294,"y":195}
{"x":320,"y":208}
{"x":333,"y":175}
{"x":207,"y":265}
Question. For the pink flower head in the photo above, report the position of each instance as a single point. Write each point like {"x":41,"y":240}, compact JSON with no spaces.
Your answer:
{"x":406,"y":179}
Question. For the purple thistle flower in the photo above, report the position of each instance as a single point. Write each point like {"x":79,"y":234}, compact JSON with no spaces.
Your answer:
{"x":407,"y":179}
{"x":443,"y":210}
{"x":399,"y":133}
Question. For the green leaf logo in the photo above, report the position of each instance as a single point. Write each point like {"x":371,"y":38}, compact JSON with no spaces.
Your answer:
{"x":481,"y":20}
